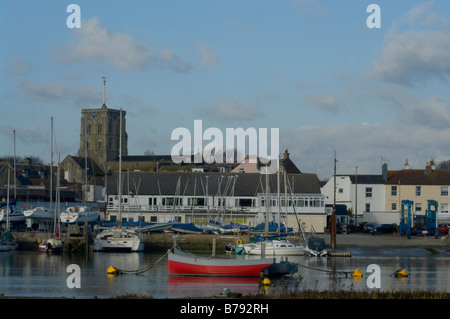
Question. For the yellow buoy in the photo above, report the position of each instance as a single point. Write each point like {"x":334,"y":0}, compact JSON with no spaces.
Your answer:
{"x":266,"y":282}
{"x":112,"y":271}
{"x":357,"y":273}
{"x":401,"y":273}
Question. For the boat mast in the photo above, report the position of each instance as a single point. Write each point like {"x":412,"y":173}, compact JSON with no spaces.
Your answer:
{"x":7,"y":200}
{"x":51,"y":162}
{"x":278,"y":196}
{"x":14,"y":171}
{"x":120,"y":170}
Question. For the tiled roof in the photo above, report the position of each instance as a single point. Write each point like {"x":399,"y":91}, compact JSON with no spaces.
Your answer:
{"x":419,"y":177}
{"x":194,"y":184}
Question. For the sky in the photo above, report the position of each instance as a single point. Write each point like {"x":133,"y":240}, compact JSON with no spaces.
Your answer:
{"x":332,"y":84}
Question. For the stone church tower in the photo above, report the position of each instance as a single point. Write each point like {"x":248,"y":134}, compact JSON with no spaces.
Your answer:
{"x":100,"y":133}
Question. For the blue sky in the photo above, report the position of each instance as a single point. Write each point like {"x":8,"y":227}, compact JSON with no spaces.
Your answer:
{"x":311,"y":68}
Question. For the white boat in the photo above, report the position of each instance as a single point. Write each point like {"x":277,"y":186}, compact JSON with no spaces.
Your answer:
{"x":40,"y":213}
{"x":12,"y":217}
{"x":275,"y":248}
{"x":118,"y":238}
{"x":316,"y":247}
{"x":79,"y":215}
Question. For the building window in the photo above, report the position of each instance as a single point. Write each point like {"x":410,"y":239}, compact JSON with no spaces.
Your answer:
{"x":444,"y":208}
{"x":444,"y":191}
{"x":394,"y":206}
{"x":100,"y":129}
{"x":341,"y":190}
{"x":394,"y":191}
{"x":99,"y":144}
{"x":367,"y":207}
{"x":368,"y":191}
{"x":419,"y":208}
{"x":418,"y":191}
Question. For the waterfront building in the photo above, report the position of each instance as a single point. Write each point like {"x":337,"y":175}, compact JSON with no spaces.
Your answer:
{"x":361,"y":195}
{"x":419,"y":186}
{"x":196,"y":197}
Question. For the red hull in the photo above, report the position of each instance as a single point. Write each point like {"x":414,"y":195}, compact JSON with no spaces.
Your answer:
{"x":179,"y":268}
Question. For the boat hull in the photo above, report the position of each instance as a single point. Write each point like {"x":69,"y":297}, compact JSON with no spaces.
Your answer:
{"x":40,"y":213}
{"x":275,"y":248}
{"x":118,"y":240}
{"x":185,"y":265}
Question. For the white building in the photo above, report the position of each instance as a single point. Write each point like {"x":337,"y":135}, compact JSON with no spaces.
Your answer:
{"x":361,"y":194}
{"x":198,"y":197}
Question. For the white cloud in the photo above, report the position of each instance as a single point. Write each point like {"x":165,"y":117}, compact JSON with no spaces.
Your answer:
{"x":229,"y":109}
{"x":44,"y":92}
{"x":313,"y":147}
{"x":324,"y":102}
{"x":29,"y":135}
{"x":18,"y":66}
{"x":95,"y":42}
{"x":58,"y":91}
{"x":209,"y":56}
{"x":413,"y":57}
{"x":432,"y":112}
{"x":416,"y":55}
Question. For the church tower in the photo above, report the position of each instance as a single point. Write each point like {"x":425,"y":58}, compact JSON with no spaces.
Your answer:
{"x":100,"y":134}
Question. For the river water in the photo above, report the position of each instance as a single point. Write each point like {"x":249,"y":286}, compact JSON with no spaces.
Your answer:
{"x":28,"y":273}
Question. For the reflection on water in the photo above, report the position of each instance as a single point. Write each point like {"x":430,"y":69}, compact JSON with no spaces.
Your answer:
{"x":32,"y":274}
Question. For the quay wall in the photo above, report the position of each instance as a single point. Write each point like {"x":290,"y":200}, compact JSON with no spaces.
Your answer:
{"x":153,"y":241}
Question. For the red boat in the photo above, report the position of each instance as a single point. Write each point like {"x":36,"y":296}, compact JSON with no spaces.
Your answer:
{"x":184,"y":264}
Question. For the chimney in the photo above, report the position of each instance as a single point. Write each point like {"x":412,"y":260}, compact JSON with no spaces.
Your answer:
{"x":285,"y":154}
{"x":429,"y":168}
{"x":406,"y":164}
{"x":384,"y":170}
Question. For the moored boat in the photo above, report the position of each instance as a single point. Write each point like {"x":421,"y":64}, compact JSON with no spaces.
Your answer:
{"x":183,"y":264}
{"x":7,"y":242}
{"x":118,"y":239}
{"x":79,"y":215}
{"x":40,"y":213}
{"x":51,"y":246}
{"x":316,"y":247}
{"x":274,"y":247}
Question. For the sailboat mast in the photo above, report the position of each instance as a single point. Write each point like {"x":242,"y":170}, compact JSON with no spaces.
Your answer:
{"x":14,"y":171}
{"x":120,"y":169}
{"x":278,"y":195}
{"x":51,"y":162}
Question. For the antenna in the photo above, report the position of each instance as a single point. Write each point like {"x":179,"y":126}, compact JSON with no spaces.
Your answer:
{"x":104,"y":90}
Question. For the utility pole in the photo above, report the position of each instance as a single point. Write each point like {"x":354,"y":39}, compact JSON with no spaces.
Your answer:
{"x":333,"y":213}
{"x":356,"y":196}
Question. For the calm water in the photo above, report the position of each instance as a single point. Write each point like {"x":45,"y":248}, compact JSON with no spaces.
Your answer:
{"x":26,"y":273}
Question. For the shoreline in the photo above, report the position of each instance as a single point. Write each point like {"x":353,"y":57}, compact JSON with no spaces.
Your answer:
{"x":163,"y":241}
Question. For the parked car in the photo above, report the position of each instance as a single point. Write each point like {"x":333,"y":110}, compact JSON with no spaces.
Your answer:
{"x":368,"y":228}
{"x":443,"y":229}
{"x":384,"y":229}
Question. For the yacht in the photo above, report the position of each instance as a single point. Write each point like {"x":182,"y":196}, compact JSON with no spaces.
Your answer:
{"x":79,"y":215}
{"x":274,"y":247}
{"x":118,"y":238}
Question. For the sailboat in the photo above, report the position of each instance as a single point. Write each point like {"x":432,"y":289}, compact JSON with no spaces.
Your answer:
{"x":80,"y":215}
{"x":8,"y":212}
{"x":53,"y":244}
{"x":7,"y":241}
{"x":118,"y":238}
{"x":269,"y":246}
